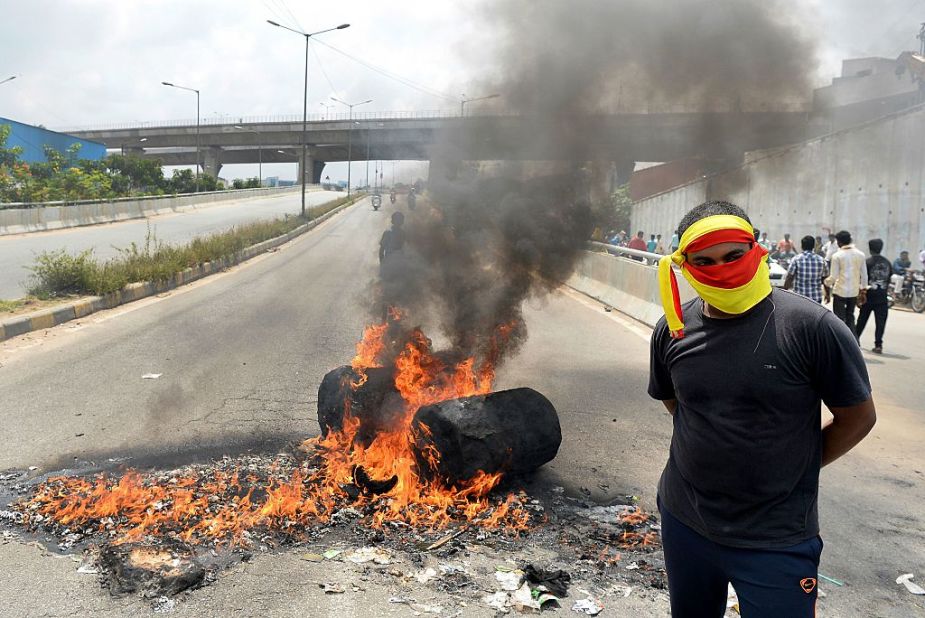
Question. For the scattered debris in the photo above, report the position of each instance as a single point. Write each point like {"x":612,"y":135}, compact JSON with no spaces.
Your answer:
{"x":510,"y":580}
{"x":162,"y":605}
{"x":911,"y":586}
{"x":522,"y":599}
{"x":555,"y":582}
{"x":151,"y":376}
{"x":496,"y":600}
{"x":425,"y":575}
{"x":88,"y":568}
{"x":330,"y":588}
{"x":443,"y":541}
{"x":831,"y":580}
{"x":153,"y":572}
{"x":402,"y":600}
{"x":332,"y":553}
{"x":369,"y":554}
{"x":372,"y":486}
{"x":589,"y":606}
{"x":312,"y":557}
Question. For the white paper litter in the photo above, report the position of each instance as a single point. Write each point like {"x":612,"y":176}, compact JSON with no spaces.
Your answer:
{"x":589,"y":607}
{"x":522,"y":599}
{"x":911,"y":586}
{"x":151,"y":376}
{"x":510,"y":580}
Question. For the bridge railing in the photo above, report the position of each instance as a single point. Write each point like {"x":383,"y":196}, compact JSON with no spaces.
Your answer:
{"x":225,"y":119}
{"x":229,"y":119}
{"x":648,"y":258}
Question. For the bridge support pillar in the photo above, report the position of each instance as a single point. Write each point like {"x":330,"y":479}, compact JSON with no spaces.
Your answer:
{"x":212,"y":161}
{"x":312,"y":170}
{"x":608,"y":176}
{"x":442,"y":171}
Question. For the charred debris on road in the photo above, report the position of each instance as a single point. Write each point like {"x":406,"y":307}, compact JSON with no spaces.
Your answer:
{"x":606,"y":549}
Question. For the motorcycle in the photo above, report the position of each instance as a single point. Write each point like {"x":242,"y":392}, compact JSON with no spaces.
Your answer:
{"x":912,"y":292}
{"x":377,"y":202}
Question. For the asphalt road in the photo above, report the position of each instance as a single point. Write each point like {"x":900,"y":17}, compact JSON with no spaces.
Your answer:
{"x":242,"y":355}
{"x":18,"y":251}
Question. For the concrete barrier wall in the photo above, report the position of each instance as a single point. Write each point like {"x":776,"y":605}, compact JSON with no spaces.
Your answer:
{"x":55,"y":215}
{"x":629,"y":286}
{"x":869,"y":180}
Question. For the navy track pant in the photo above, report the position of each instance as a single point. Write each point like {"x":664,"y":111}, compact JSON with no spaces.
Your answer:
{"x":770,"y":583}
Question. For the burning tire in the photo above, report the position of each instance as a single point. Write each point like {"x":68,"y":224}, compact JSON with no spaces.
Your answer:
{"x":513,"y":432}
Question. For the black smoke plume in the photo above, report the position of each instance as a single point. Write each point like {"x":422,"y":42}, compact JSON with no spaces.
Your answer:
{"x":488,"y":236}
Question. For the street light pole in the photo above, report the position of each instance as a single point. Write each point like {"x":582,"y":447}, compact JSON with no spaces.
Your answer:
{"x":197,"y":126}
{"x":307,"y":36}
{"x":9,"y":79}
{"x":350,"y":140}
{"x":462,"y":104}
{"x":259,"y":150}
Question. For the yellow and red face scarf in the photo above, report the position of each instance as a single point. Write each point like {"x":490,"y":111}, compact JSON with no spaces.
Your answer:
{"x":734,"y":287}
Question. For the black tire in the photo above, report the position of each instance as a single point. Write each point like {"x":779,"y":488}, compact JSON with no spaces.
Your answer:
{"x":918,"y":300}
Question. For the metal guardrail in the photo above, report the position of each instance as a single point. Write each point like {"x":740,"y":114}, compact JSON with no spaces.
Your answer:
{"x":226,"y":119}
{"x":650,"y":258}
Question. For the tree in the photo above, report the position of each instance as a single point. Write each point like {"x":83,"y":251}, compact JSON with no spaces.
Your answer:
{"x":249,"y":183}
{"x":132,"y":174}
{"x":184,"y":181}
{"x":615,"y":212}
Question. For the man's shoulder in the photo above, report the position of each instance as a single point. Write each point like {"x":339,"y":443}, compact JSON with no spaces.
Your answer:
{"x":796,"y":306}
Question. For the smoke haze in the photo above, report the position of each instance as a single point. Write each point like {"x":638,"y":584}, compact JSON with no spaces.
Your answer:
{"x":490,"y":236}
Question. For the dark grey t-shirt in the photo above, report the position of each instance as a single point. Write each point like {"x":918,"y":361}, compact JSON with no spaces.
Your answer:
{"x":743,"y":468}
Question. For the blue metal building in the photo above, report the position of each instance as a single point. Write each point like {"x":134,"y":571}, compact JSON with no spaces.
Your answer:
{"x":34,"y":139}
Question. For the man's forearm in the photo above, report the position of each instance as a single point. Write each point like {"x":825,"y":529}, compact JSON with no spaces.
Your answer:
{"x":847,"y":429}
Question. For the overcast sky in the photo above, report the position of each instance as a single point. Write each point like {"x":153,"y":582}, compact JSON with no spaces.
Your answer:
{"x":85,"y":62}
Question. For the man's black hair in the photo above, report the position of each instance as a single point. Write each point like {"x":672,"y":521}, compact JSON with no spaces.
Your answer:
{"x":876,"y":245}
{"x":757,"y":233}
{"x":709,"y":209}
{"x":843,"y":238}
{"x":639,"y":234}
{"x":808,"y":243}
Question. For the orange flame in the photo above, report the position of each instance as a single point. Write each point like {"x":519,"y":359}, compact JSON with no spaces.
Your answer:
{"x":218,"y":507}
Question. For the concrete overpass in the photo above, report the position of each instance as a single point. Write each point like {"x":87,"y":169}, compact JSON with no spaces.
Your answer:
{"x":621,"y":139}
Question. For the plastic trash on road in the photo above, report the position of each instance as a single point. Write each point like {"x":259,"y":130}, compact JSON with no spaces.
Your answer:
{"x":911,"y":586}
{"x":589,"y":607}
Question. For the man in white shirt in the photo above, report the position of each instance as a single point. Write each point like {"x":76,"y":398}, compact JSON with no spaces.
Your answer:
{"x":829,"y":248}
{"x":847,"y":280}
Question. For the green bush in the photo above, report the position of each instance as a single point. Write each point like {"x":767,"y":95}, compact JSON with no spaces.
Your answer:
{"x":58,"y":273}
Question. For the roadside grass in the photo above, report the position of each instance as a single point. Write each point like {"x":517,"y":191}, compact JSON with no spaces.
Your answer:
{"x":9,"y":306}
{"x":28,"y":304}
{"x":59,"y":273}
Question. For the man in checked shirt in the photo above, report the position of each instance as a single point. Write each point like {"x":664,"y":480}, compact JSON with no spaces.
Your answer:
{"x":807,"y":272}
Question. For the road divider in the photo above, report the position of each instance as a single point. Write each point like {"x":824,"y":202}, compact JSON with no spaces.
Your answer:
{"x":616,"y":277}
{"x":24,"y":218}
{"x":83,"y":307}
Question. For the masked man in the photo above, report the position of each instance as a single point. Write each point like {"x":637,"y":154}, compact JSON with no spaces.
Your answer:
{"x":743,"y":370}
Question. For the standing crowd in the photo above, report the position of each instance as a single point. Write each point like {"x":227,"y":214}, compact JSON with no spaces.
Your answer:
{"x":833,"y":271}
